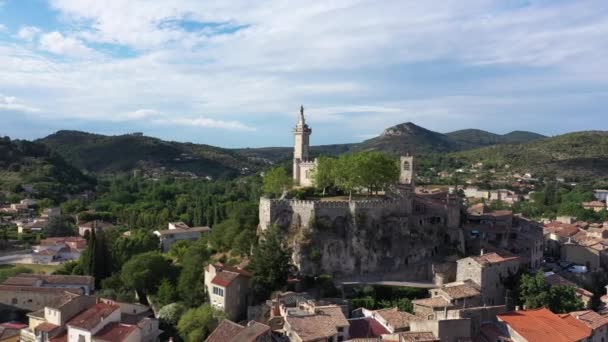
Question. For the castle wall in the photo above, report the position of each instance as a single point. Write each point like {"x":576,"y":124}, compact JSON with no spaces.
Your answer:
{"x":359,"y":237}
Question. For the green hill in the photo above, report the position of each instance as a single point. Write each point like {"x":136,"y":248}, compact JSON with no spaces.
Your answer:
{"x":33,"y":164}
{"x":118,"y":154}
{"x":475,"y":138}
{"x":408,"y":138}
{"x":580,"y":154}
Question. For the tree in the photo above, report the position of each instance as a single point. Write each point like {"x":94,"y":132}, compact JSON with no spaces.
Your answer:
{"x":276,"y":181}
{"x":96,"y":260}
{"x":125,"y":247}
{"x":179,"y":249}
{"x":191,"y":282}
{"x":197,"y":323}
{"x":535,"y":293}
{"x":270,"y":264}
{"x":145,"y":271}
{"x":166,"y":293}
{"x":58,"y":226}
{"x":346,"y":177}
{"x":169,"y":316}
{"x":324,"y":173}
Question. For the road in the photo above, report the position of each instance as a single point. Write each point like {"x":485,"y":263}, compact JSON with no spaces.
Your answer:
{"x":421,"y":285}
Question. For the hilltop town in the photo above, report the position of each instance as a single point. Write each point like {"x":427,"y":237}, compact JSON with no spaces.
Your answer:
{"x":361,"y":246}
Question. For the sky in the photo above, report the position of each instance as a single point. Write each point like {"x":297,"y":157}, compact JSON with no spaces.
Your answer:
{"x":234,"y":73}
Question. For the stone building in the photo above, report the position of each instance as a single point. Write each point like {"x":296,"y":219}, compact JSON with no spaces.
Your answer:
{"x":311,"y":323}
{"x":302,"y":162}
{"x":541,"y":325}
{"x":490,"y":271}
{"x":451,"y":296}
{"x":228,"y":289}
{"x":396,"y":235}
{"x":229,"y":331}
{"x":179,"y":231}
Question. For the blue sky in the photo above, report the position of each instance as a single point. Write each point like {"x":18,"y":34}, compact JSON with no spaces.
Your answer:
{"x":234,"y":73}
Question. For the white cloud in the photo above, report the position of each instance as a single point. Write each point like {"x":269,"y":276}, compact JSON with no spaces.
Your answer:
{"x":350,"y":61}
{"x":12,"y":104}
{"x":204,"y":122}
{"x":59,"y":44}
{"x":2,"y":27}
{"x":28,"y":33}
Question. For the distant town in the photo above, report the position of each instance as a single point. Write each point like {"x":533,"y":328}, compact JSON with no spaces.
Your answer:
{"x":361,"y":246}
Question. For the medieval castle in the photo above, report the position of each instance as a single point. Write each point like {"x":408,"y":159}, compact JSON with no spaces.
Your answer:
{"x":399,"y":233}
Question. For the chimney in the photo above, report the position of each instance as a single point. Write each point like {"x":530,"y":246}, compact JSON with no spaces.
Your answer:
{"x":481,"y":252}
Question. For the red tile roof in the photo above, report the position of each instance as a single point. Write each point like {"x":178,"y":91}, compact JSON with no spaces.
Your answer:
{"x":591,"y":318}
{"x":224,"y":278}
{"x":494,"y":257}
{"x":114,"y":332}
{"x":365,"y":327}
{"x":562,"y":230}
{"x":91,"y":317}
{"x":225,"y":331}
{"x":46,"y":327}
{"x":543,"y":325}
{"x":556,"y":279}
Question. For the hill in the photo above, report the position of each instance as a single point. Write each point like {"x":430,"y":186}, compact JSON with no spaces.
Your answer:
{"x":118,"y":154}
{"x":408,"y":138}
{"x":475,"y":138}
{"x":30,"y":164}
{"x":580,"y":154}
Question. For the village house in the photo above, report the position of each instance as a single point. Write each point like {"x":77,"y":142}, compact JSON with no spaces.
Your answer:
{"x":10,"y":331}
{"x":311,"y":323}
{"x":84,"y":227}
{"x":48,"y":213}
{"x":601,"y":195}
{"x":83,"y":284}
{"x":229,"y":331}
{"x":228,"y":289}
{"x":596,"y":206}
{"x":487,"y":229}
{"x":179,"y":231}
{"x":555,"y":279}
{"x":589,"y":252}
{"x":84,"y":318}
{"x":489,"y":271}
{"x":597,"y":323}
{"x":58,"y":249}
{"x":457,"y":295}
{"x":556,"y":235}
{"x":541,"y":325}
{"x":390,"y":320}
{"x":35,"y":226}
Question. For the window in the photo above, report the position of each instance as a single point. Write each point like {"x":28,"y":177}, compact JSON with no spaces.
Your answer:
{"x":406,"y":166}
{"x":218,"y":291}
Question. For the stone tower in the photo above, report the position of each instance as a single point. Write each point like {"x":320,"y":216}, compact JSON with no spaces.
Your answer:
{"x":302,"y":165}
{"x":406,"y":165}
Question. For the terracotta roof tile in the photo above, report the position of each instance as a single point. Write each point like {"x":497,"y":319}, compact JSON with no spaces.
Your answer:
{"x":311,"y":328}
{"x":114,"y":332}
{"x":426,"y":336}
{"x":91,"y":317}
{"x":225,"y":331}
{"x":251,"y":332}
{"x":591,"y":318}
{"x":457,"y":291}
{"x":543,"y":325}
{"x":435,"y":302}
{"x":365,"y":327}
{"x":494,"y":257}
{"x":398,"y":319}
{"x":46,"y":327}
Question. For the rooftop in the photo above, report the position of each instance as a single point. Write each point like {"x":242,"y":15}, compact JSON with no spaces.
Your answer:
{"x":543,"y":325}
{"x":556,"y":279}
{"x":91,"y":317}
{"x":460,"y":290}
{"x":435,"y":302}
{"x":591,"y":318}
{"x":29,"y":279}
{"x":398,"y":319}
{"x":365,"y":327}
{"x":495,"y":257}
{"x":229,"y":331}
{"x":311,"y":328}
{"x":183,"y":231}
{"x":410,"y":336}
{"x":114,"y":332}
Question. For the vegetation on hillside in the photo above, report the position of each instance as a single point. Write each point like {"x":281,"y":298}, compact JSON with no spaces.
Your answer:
{"x":124,"y":153}
{"x":574,"y":155}
{"x":50,"y":176}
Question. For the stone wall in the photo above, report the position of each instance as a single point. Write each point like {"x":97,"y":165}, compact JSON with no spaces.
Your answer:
{"x":361,"y":237}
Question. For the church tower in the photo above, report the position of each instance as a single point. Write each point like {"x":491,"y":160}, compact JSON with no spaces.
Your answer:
{"x":301,"y":153}
{"x":406,"y":166}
